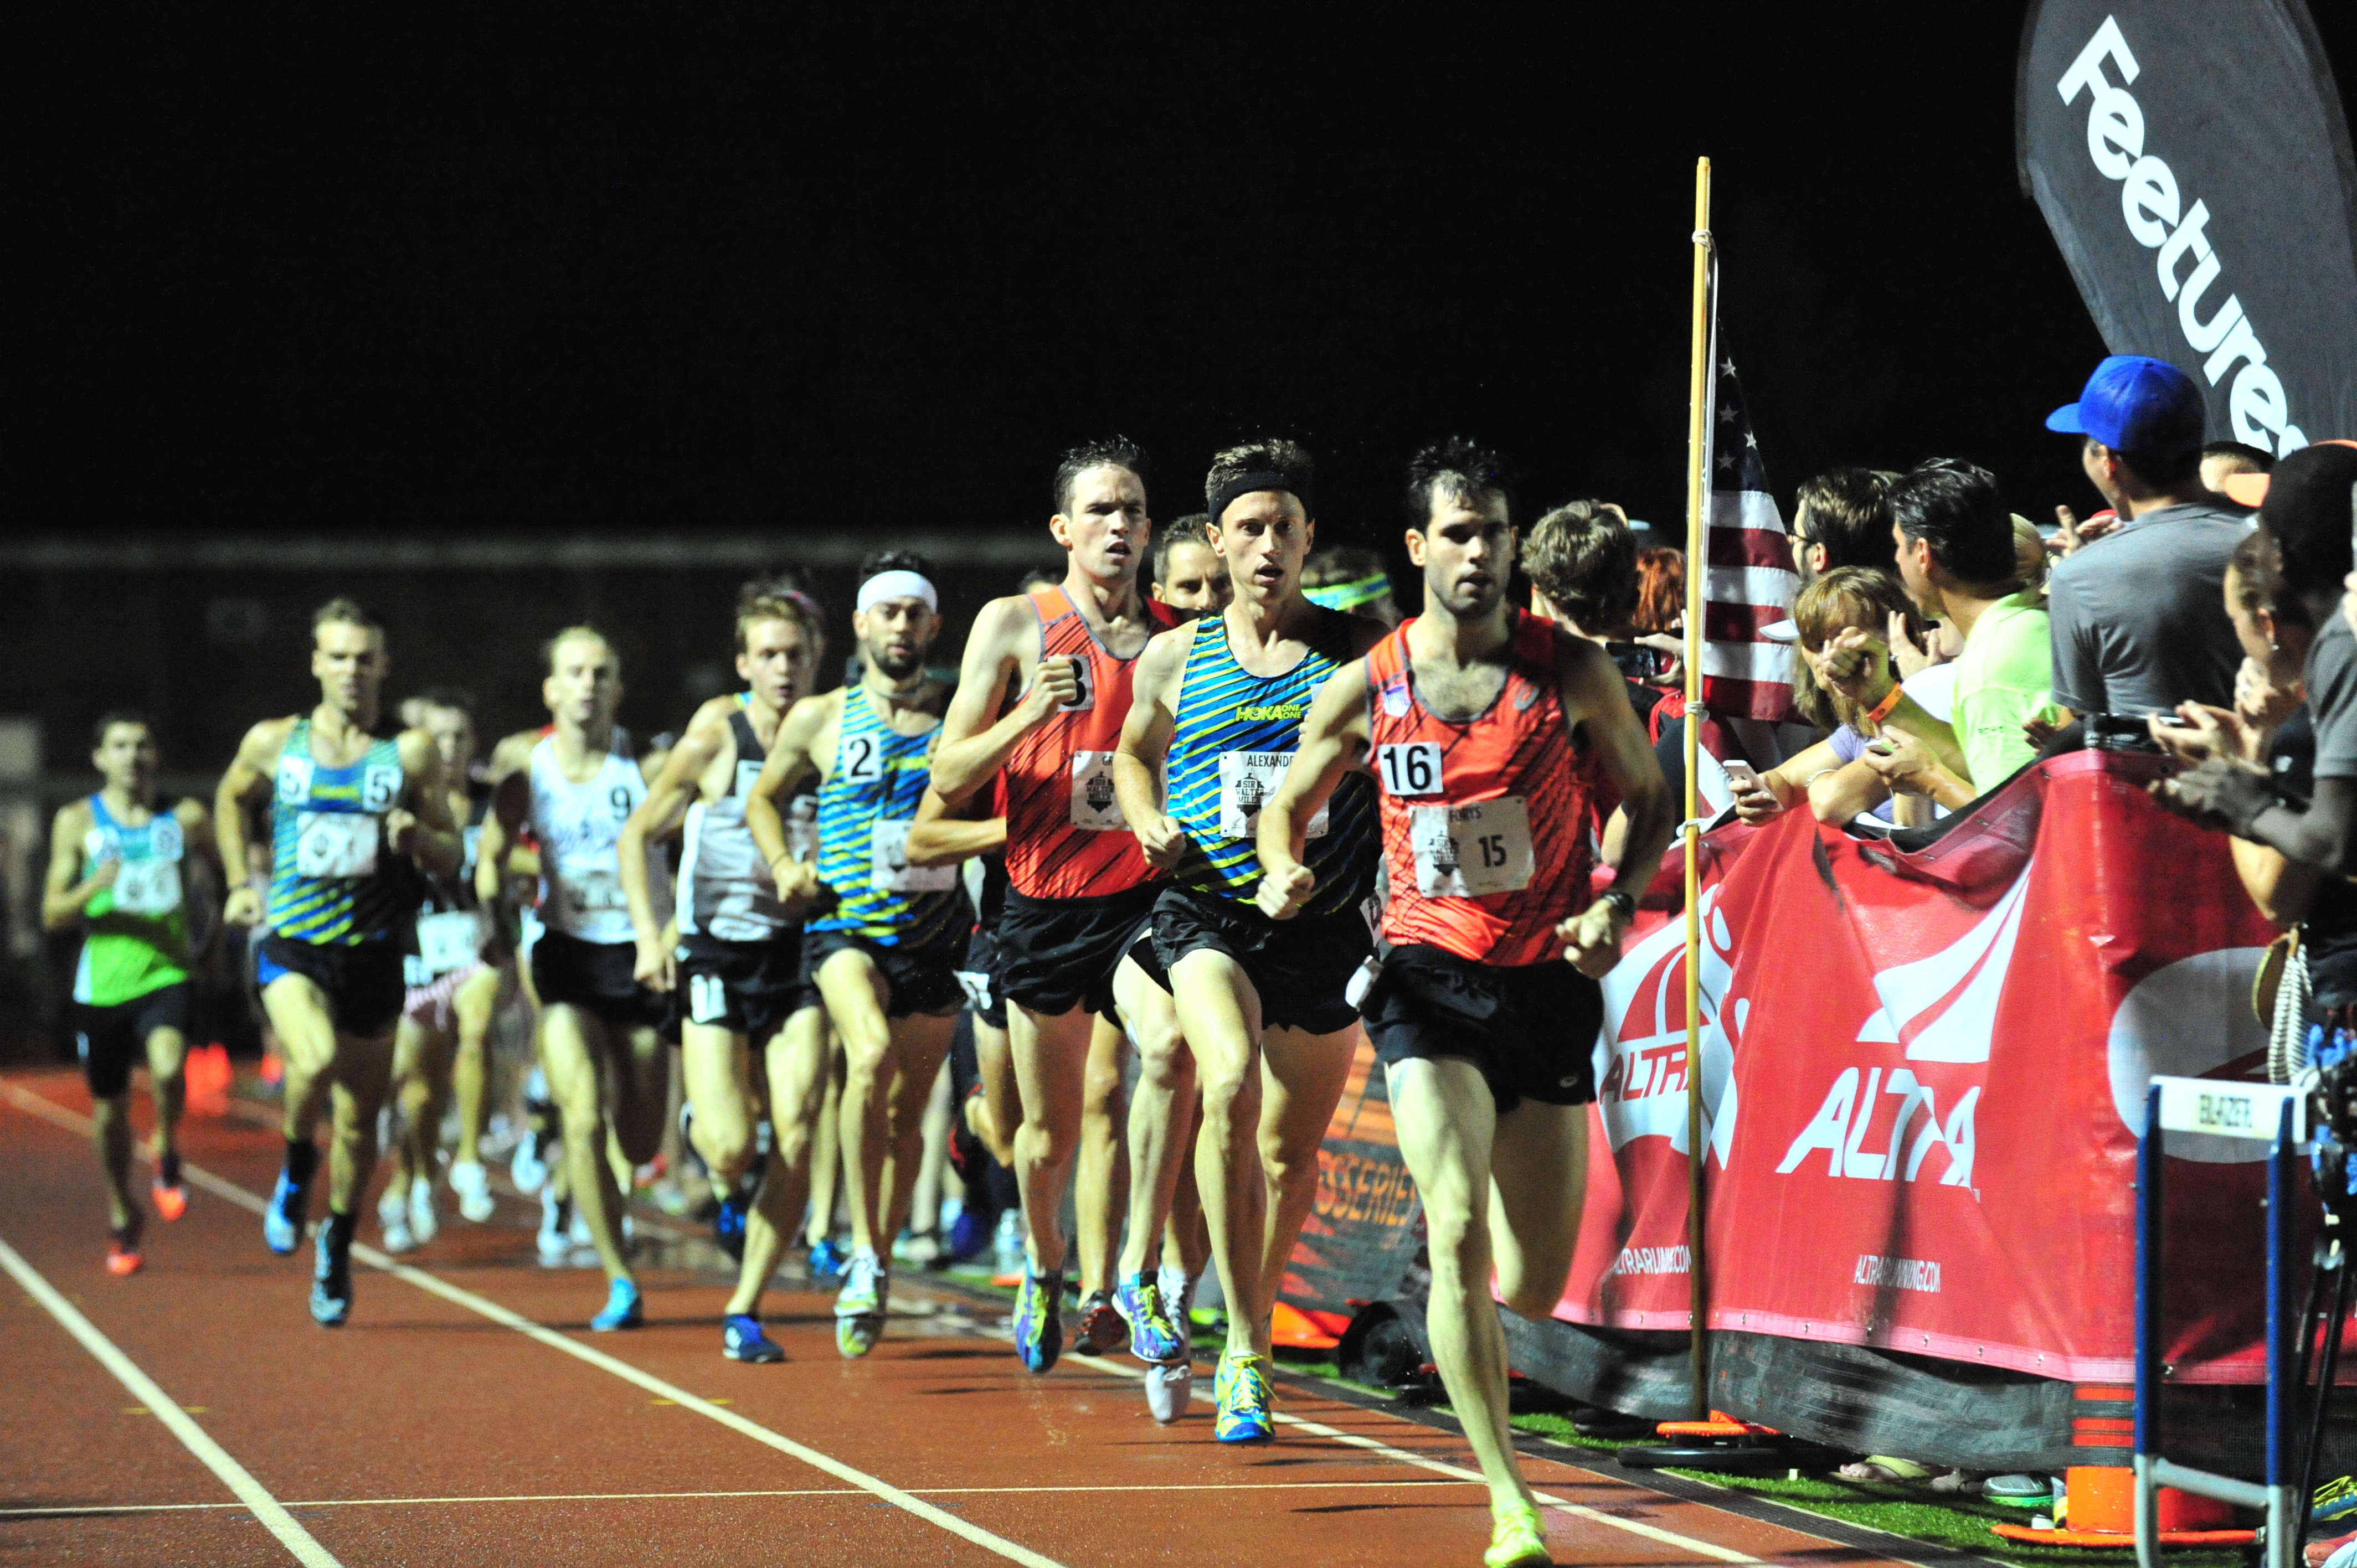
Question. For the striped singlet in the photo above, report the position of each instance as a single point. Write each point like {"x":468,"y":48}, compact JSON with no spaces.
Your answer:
{"x":138,"y":939}
{"x":1232,"y":737}
{"x":866,"y":808}
{"x":1484,"y":819}
{"x":332,"y":881}
{"x":1065,"y":835}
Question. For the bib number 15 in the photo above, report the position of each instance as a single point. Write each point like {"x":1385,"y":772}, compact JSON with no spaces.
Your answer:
{"x":1410,"y":770}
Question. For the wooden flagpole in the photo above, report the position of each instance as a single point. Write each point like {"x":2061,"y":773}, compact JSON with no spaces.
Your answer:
{"x":1697,"y":571}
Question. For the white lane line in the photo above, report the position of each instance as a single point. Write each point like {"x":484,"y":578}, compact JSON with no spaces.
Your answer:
{"x":485,"y":1307}
{"x":250,"y":1492}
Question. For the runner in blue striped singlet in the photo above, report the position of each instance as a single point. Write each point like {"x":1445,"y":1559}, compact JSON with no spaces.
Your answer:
{"x":884,"y":949}
{"x":1218,"y":712}
{"x":344,"y":804}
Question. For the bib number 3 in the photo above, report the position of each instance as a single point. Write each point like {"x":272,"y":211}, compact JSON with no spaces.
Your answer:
{"x":1094,"y":810}
{"x":1466,"y":851}
{"x":1248,"y":780}
{"x":888,"y":870}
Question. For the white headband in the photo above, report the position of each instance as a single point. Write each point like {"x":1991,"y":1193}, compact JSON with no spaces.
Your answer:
{"x":898,"y":586}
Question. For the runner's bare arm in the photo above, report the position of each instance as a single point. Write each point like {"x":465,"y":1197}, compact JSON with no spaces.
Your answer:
{"x":1334,"y":738}
{"x":972,"y":746}
{"x":63,"y":898}
{"x":669,"y":795}
{"x":1146,"y":743}
{"x":420,"y":828}
{"x":941,"y":838}
{"x":510,"y":803}
{"x":790,"y":762}
{"x":1596,"y":698}
{"x":247,"y":783}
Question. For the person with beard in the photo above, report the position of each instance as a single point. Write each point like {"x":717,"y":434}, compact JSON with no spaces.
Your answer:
{"x":1187,"y":573}
{"x":883,"y":950}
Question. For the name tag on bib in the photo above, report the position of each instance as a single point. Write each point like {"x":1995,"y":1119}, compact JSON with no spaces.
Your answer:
{"x":1248,"y":780}
{"x":335,"y":843}
{"x":148,"y":887}
{"x":1465,"y":852}
{"x":888,"y":870}
{"x":446,"y":941}
{"x":1094,"y":810}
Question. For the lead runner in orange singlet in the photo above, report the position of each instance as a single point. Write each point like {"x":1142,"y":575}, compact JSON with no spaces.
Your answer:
{"x":1080,"y":894}
{"x":1487,"y":729}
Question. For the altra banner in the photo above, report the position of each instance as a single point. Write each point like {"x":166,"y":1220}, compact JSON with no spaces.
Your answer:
{"x":2193,"y":163}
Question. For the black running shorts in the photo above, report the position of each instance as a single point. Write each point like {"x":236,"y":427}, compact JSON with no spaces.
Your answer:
{"x":364,"y":983}
{"x":1531,"y":1029}
{"x":597,"y":978}
{"x":113,"y":1040}
{"x":1300,"y":967}
{"x":923,"y":980}
{"x":746,"y":988}
{"x":1056,"y":955}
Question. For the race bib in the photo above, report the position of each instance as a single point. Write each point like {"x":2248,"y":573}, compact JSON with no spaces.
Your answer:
{"x":294,"y":779}
{"x":1248,"y":780}
{"x":1410,"y":770}
{"x":862,"y":758}
{"x":335,"y":843}
{"x":449,"y":940}
{"x":147,"y":886}
{"x":1094,"y":810}
{"x":1085,"y":697}
{"x":888,"y":870}
{"x":1464,"y":852}
{"x":594,"y":890}
{"x":380,"y":787}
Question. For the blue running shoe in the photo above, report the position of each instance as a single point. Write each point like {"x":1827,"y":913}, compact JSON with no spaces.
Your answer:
{"x":728,"y":1225}
{"x":741,"y":1339}
{"x":969,"y":1234}
{"x":623,"y":1309}
{"x":1039,"y":1320}
{"x":827,"y":1261}
{"x":1151,"y":1336}
{"x":282,"y":1223}
{"x":331,"y":1280}
{"x":1245,"y":1407}
{"x":859,"y":1308}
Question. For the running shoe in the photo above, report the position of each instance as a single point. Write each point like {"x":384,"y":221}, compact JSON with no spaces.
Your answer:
{"x":1039,"y":1320}
{"x":123,"y":1259}
{"x":171,"y":1200}
{"x":969,"y":1234}
{"x":472,"y":1183}
{"x":1169,"y":1386}
{"x":1102,"y":1329}
{"x":1151,"y":1336}
{"x":728,"y":1225}
{"x":529,"y":1169}
{"x":1517,"y":1538}
{"x":1247,"y":1401}
{"x":860,"y":1306}
{"x":2336,"y":1500}
{"x":827,"y":1262}
{"x":741,"y":1339}
{"x":425,"y":1219}
{"x":331,"y":1278}
{"x":623,"y":1308}
{"x":282,"y":1223}
{"x":555,"y":1217}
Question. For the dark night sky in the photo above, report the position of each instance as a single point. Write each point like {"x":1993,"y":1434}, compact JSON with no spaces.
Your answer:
{"x":874,"y":275}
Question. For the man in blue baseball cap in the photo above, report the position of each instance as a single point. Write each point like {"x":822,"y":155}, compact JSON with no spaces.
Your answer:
{"x":2139,"y":618}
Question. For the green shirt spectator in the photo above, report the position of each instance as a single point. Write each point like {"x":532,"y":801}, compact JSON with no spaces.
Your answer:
{"x":2003,"y":676}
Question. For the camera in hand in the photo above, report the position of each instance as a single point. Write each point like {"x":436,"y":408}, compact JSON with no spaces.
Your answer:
{"x":2120,"y":732}
{"x":1637,"y":661}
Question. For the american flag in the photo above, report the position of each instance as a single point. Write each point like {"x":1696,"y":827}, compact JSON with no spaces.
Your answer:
{"x":1750,"y":581}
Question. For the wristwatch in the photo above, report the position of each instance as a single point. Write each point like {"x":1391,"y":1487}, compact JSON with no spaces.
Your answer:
{"x":1622,"y":901}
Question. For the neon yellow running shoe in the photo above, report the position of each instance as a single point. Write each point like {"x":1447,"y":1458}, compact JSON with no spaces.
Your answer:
{"x":1245,"y":1413}
{"x":1517,"y":1538}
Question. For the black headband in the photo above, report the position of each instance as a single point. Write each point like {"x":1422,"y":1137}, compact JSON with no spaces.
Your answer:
{"x":1245,"y":483}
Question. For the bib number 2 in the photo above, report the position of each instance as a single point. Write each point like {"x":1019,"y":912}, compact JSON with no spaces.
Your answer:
{"x":1466,"y":851}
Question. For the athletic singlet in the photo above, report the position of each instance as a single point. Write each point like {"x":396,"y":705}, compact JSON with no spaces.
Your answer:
{"x":1065,"y":835}
{"x":724,"y":888}
{"x":449,"y":931}
{"x":1232,"y":737}
{"x":138,"y":937}
{"x":580,"y":828}
{"x":332,"y":881}
{"x":866,"y":808}
{"x":1483,"y":821}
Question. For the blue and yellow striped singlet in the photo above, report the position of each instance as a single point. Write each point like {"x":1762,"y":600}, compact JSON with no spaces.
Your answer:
{"x":332,"y":880}
{"x":1234,"y":735}
{"x":865,"y":810}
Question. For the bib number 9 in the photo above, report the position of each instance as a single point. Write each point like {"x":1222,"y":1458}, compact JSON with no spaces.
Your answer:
{"x":888,"y":870}
{"x":1410,"y":770}
{"x":334,"y":844}
{"x":1467,"y":851}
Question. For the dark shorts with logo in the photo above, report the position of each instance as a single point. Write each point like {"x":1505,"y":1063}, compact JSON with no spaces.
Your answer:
{"x":746,"y":988}
{"x":113,"y":1040}
{"x":979,"y":976}
{"x":1056,"y":955}
{"x":1300,"y":967}
{"x":923,"y":979}
{"x":364,"y":982}
{"x":1531,"y":1029}
{"x":599,"y":978}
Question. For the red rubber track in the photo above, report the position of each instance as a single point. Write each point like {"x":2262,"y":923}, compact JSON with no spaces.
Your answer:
{"x":426,"y":1433}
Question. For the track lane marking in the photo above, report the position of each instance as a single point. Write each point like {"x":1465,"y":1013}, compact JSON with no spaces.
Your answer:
{"x":252,"y":1496}
{"x":484,"y":1308}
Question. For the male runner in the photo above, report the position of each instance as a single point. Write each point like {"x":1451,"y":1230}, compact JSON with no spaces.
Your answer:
{"x":574,"y":788}
{"x":116,"y":861}
{"x":884,"y":959}
{"x":1187,"y":573}
{"x":1218,"y":714}
{"x":739,"y":955}
{"x":453,"y":988}
{"x":1466,"y":716}
{"x":344,"y":801}
{"x":1079,"y":891}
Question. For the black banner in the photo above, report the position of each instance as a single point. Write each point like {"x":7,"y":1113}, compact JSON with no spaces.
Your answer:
{"x":2193,"y":163}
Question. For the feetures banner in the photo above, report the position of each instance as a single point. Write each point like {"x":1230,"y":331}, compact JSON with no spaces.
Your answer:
{"x":2193,"y":163}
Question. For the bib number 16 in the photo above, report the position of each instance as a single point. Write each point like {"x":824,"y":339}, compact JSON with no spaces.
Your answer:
{"x":1410,"y":770}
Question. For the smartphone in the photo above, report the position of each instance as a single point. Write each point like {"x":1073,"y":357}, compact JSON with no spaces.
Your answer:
{"x":1637,"y":661}
{"x":1879,"y":746}
{"x":1745,"y":776}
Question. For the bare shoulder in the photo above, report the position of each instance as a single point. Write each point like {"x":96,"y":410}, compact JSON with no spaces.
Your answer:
{"x":710,"y":718}
{"x":73,"y":821}
{"x":419,"y":756}
{"x":191,"y":814}
{"x":1002,"y":624}
{"x":267,"y":739}
{"x":514,"y":753}
{"x":1165,"y":651}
